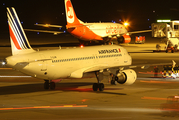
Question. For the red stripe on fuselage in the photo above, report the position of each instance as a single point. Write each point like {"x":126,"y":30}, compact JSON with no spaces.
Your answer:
{"x":14,"y":39}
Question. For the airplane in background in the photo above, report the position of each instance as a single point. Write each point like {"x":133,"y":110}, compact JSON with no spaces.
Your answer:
{"x":66,"y":63}
{"x":87,"y":32}
{"x":93,"y":31}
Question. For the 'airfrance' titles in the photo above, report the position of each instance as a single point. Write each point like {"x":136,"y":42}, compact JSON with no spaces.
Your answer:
{"x":109,"y":51}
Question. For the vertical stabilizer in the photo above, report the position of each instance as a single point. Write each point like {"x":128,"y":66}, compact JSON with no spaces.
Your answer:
{"x":70,"y":14}
{"x":19,"y":41}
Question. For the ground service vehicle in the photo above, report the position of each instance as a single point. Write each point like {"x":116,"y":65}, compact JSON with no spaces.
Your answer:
{"x":169,"y":33}
{"x":140,"y":39}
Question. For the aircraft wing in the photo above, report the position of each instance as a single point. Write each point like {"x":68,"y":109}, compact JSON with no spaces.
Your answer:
{"x":145,"y":66}
{"x":46,"y":31}
{"x":127,"y":33}
{"x":58,"y":26}
{"x":140,"y":31}
{"x":79,"y":73}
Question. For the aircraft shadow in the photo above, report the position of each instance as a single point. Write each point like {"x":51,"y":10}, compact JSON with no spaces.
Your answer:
{"x":65,"y":87}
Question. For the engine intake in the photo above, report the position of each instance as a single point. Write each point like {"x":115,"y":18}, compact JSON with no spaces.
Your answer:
{"x":124,"y":39}
{"x":126,"y":77}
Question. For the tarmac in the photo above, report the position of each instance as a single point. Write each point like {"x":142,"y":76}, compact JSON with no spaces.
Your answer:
{"x":23,"y":97}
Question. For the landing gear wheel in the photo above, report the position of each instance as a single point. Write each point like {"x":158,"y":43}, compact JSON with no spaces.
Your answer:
{"x":46,"y":85}
{"x":52,"y":85}
{"x":95,"y":86}
{"x":113,"y":82}
{"x":114,"y":79}
{"x":101,"y":86}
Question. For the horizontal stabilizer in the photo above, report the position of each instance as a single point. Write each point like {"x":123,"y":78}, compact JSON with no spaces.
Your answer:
{"x":46,"y":31}
{"x":48,"y":25}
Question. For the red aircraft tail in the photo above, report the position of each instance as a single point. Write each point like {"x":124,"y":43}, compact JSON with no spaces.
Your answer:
{"x":70,"y":14}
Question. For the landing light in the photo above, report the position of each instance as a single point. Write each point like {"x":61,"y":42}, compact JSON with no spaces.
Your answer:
{"x":126,"y":24}
{"x":3,"y":63}
{"x":46,"y":25}
{"x":81,"y":46}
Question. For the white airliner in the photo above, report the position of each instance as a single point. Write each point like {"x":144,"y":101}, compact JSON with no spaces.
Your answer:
{"x":66,"y":63}
{"x":86,"y":32}
{"x":93,"y":31}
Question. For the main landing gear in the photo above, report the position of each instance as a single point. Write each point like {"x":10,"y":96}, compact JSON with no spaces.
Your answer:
{"x":98,"y":85}
{"x":48,"y":85}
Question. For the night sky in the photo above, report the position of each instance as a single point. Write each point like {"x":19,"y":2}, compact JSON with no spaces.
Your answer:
{"x":140,"y":13}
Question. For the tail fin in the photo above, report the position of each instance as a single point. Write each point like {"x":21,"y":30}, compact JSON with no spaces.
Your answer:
{"x":19,"y":41}
{"x":70,"y":14}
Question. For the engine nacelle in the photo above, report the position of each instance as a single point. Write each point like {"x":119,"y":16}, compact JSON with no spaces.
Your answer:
{"x":124,"y":39}
{"x":127,"y":77}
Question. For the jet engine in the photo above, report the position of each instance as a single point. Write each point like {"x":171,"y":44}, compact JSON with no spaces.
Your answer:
{"x":124,"y":39}
{"x":126,"y":77}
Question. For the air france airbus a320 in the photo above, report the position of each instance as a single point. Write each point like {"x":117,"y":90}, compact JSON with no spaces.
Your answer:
{"x":66,"y":63}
